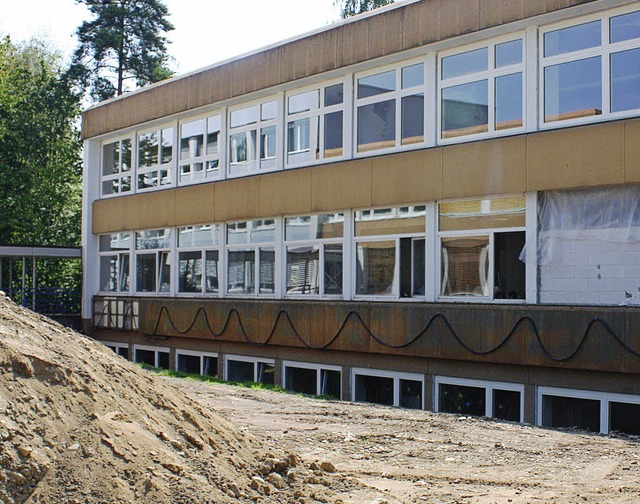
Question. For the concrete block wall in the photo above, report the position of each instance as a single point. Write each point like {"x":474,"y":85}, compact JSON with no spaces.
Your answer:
{"x":590,"y":268}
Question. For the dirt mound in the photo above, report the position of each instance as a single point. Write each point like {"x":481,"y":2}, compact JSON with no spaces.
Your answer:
{"x":79,"y":424}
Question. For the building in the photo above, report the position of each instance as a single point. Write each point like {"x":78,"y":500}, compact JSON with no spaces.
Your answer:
{"x":434,"y":205}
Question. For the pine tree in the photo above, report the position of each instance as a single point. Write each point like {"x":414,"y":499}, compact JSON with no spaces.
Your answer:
{"x":350,"y":8}
{"x":125,"y":41}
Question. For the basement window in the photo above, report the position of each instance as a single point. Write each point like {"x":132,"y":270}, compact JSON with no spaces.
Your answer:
{"x":118,"y":348}
{"x":312,"y":379}
{"x":388,"y":388}
{"x":624,"y":417}
{"x":571,"y":412}
{"x":197,"y":363}
{"x":155,"y":357}
{"x":248,"y":369}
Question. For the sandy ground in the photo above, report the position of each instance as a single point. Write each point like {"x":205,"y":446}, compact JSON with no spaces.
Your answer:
{"x":392,"y":455}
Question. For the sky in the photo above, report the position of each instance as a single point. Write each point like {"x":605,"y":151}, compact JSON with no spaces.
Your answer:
{"x":206,"y":31}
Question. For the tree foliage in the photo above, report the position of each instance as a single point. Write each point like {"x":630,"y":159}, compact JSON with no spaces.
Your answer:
{"x":124,"y":42}
{"x":350,"y":8}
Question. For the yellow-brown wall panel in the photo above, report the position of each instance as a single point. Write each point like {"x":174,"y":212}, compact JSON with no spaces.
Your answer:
{"x":116,"y":214}
{"x":343,"y":185}
{"x":286,"y":193}
{"x":632,"y":145}
{"x":413,"y":177}
{"x":195,"y":205}
{"x":484,"y":168}
{"x":237,"y":199}
{"x":573,"y":157}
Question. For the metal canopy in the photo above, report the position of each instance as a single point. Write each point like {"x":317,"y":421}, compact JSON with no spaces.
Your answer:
{"x":35,"y":251}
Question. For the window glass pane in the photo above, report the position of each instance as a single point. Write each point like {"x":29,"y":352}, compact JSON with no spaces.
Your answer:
{"x":413,"y":76}
{"x":304,"y":101}
{"x":191,"y":139}
{"x":198,"y":236}
{"x":375,"y":268}
{"x":314,"y":227}
{"x":465,"y":109}
{"x":573,"y":90}
{"x":190,"y":272}
{"x":164,"y":279}
{"x":109,"y":273}
{"x":303,"y":270}
{"x":413,"y":119}
{"x":211,"y":270}
{"x":377,"y":126}
{"x":125,"y":155}
{"x":167,"y":145}
{"x":509,"y":101}
{"x":383,"y":221}
{"x":116,"y":241}
{"x":267,"y":271}
{"x":213,"y":134}
{"x":244,"y":116}
{"x":269,"y":110}
{"x":242,"y":147}
{"x":574,"y":38}
{"x":333,"y":269}
{"x":333,"y":134}
{"x":465,"y":63}
{"x":465,"y":266}
{"x":111,"y":187}
{"x":625,"y":27}
{"x":482,"y":214}
{"x":148,"y":148}
{"x":333,"y":95}
{"x":298,"y":135}
{"x":125,"y":184}
{"x":625,"y":80}
{"x":148,"y":180}
{"x":268,"y":142}
{"x":145,"y":272}
{"x":155,"y":239}
{"x":377,"y":84}
{"x":111,"y":158}
{"x":509,"y":53}
{"x":124,"y":272}
{"x":241,"y":272}
{"x":260,"y":231}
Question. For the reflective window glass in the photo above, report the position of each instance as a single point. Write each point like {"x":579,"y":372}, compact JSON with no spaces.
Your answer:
{"x":376,"y":126}
{"x":375,"y":268}
{"x":625,"y":80}
{"x":167,"y":145}
{"x":148,"y":148}
{"x":377,"y":84}
{"x":244,"y":116}
{"x":304,"y":101}
{"x":574,"y":38}
{"x":241,"y":269}
{"x":191,"y":139}
{"x":267,"y":271}
{"x":190,"y":271}
{"x":303,"y":269}
{"x":385,"y":221}
{"x":509,"y":101}
{"x":413,"y":76}
{"x":482,"y":214}
{"x":155,"y":239}
{"x":625,"y":27}
{"x":213,"y":133}
{"x":314,"y":227}
{"x":333,"y":269}
{"x":465,"y":63}
{"x":573,"y":90}
{"x":268,"y":142}
{"x":115,"y":242}
{"x":269,"y":110}
{"x":333,"y":134}
{"x":509,"y":53}
{"x":412,"y":127}
{"x":211,"y":270}
{"x":465,"y":109}
{"x":111,"y":158}
{"x":465,"y":266}
{"x":333,"y":95}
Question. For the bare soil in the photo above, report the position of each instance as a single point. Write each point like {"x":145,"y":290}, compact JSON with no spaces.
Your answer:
{"x":406,"y":456}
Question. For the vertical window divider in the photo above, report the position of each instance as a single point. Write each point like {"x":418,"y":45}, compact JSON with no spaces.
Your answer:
{"x":431,"y":101}
{"x":606,"y":66}
{"x":532,"y":97}
{"x":223,"y":147}
{"x":531,"y":251}
{"x":281,"y":129}
{"x":431,"y":262}
{"x":348,"y":276}
{"x":281,"y":260}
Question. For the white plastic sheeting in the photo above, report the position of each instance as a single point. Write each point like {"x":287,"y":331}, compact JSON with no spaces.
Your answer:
{"x":610,"y":214}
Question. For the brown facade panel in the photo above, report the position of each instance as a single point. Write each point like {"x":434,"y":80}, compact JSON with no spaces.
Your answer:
{"x":574,"y":157}
{"x":285,"y":193}
{"x":237,"y":199}
{"x":116,"y":214}
{"x":356,"y":41}
{"x":195,"y":205}
{"x":340,"y":186}
{"x":484,"y":168}
{"x":632,"y":147}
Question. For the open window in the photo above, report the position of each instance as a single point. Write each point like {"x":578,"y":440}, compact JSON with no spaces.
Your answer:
{"x":153,"y":261}
{"x":199,"y":259}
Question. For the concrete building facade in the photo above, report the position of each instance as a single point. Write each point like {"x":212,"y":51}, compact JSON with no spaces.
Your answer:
{"x":434,"y":205}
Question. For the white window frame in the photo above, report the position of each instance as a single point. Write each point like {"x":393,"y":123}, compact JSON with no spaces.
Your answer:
{"x":480,"y":232}
{"x":308,"y":365}
{"x":170,"y":250}
{"x":319,"y":112}
{"x":131,"y":173}
{"x":321,"y":243}
{"x":395,"y":96}
{"x":604,"y":398}
{"x":395,"y":294}
{"x":604,"y":51}
{"x":395,"y":375}
{"x":255,"y":247}
{"x":243,"y":358}
{"x":118,"y":346}
{"x":205,"y":158}
{"x":491,"y":75}
{"x":254,"y":165}
{"x":154,"y":349}
{"x":191,"y":353}
{"x":119,"y":256}
{"x":489,"y":387}
{"x":203,"y":249}
{"x":158,"y":168}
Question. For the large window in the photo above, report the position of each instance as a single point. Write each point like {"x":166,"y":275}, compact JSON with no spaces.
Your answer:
{"x":199,"y":259}
{"x":153,"y":261}
{"x":314,"y":254}
{"x":114,"y":262}
{"x":390,"y":108}
{"x":315,"y":124}
{"x":116,"y":167}
{"x":482,"y":90}
{"x":591,"y":68}
{"x":251,"y":257}
{"x":253,"y":138}
{"x":155,"y":158}
{"x":480,"y":246}
{"x":199,"y":150}
{"x":390,"y":252}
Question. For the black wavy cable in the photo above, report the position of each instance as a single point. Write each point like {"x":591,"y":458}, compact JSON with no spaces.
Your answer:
{"x":284,"y":314}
